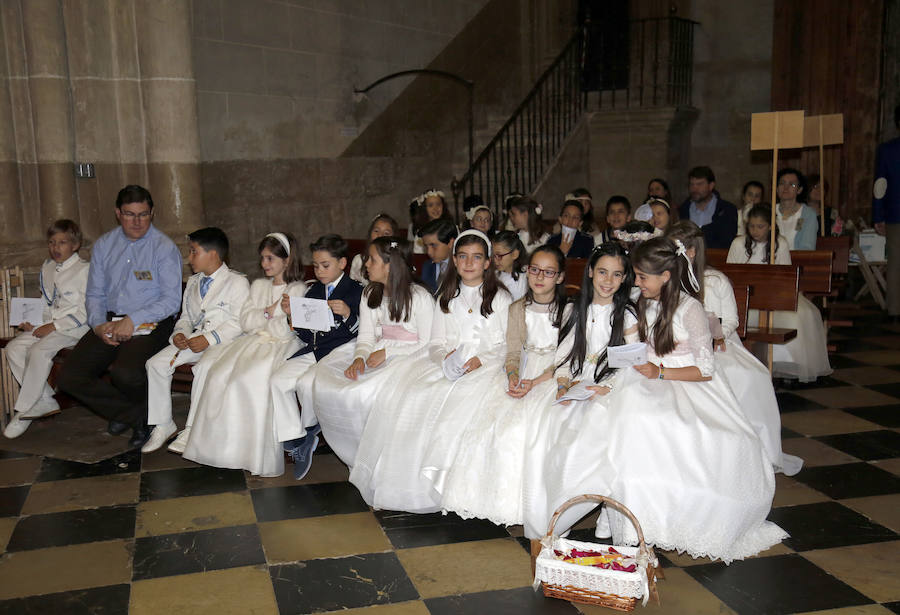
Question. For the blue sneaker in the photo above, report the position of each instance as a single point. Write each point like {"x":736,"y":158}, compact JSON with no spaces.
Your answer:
{"x":302,"y":454}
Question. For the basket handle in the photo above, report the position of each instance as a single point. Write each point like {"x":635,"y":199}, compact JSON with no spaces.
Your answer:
{"x":600,"y":499}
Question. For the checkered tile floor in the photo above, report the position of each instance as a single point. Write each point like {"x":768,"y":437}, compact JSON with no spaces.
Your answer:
{"x":162,"y":535}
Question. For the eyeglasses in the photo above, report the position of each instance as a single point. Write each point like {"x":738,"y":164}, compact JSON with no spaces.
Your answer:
{"x":499,"y":255}
{"x":788,"y":185}
{"x":129,"y":215}
{"x":538,"y":272}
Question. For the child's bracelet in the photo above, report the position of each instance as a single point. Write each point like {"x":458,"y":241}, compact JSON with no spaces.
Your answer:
{"x":510,"y":372}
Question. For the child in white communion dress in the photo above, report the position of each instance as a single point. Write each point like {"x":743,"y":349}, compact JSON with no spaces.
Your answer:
{"x":425,"y":409}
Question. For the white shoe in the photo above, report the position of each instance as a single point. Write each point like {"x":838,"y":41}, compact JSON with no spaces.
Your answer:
{"x":180,"y":443}
{"x":42,"y":407}
{"x":17,"y":426}
{"x":160,"y":435}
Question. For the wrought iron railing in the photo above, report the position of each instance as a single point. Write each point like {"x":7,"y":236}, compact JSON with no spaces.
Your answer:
{"x":519,"y":154}
{"x":656,"y":71}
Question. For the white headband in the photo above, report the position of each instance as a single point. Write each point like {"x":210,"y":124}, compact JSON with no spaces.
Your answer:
{"x":283,"y":240}
{"x":421,"y":198}
{"x":572,"y":197}
{"x":478,"y":234}
{"x":471,"y":213}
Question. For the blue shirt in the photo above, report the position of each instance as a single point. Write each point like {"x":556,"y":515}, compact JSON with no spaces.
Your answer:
{"x":702,"y":217}
{"x":140,"y":278}
{"x":886,"y":201}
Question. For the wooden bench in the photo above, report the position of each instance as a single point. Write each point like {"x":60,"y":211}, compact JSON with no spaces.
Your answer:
{"x":816,"y":268}
{"x":574,"y":274}
{"x":742,"y":299}
{"x":771,"y":287}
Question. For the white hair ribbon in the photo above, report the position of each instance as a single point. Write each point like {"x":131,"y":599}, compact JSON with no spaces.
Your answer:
{"x":478,"y":234}
{"x":283,"y":240}
{"x":539,"y":209}
{"x":471,"y":213}
{"x":681,"y":251}
{"x":393,"y":245}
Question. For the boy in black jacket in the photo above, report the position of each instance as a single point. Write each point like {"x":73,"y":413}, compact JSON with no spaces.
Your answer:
{"x":329,"y":256}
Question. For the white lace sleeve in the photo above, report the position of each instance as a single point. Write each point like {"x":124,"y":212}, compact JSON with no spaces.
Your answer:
{"x":699,"y":340}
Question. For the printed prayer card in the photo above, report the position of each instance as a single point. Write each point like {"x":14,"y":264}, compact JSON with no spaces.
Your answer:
{"x":313,"y":314}
{"x":627,"y":355}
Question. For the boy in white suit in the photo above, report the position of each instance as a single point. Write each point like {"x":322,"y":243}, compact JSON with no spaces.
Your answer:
{"x":210,"y":309}
{"x":30,"y":354}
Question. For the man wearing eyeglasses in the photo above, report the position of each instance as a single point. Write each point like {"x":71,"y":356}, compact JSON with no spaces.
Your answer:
{"x":133,"y":294}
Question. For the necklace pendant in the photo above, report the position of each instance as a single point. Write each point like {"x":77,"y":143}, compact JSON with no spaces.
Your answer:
{"x":470,"y":310}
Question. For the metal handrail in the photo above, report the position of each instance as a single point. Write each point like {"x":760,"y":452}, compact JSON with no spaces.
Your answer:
{"x":515,"y":159}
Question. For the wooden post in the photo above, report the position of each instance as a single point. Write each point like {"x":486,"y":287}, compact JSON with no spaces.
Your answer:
{"x":819,"y":131}
{"x":775,"y":130}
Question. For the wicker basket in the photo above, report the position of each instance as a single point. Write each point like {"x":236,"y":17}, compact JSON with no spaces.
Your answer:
{"x":589,"y":585}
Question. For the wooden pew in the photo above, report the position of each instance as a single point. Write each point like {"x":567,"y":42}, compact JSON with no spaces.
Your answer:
{"x":815,"y":271}
{"x":574,"y":274}
{"x":772,"y":287}
{"x":742,"y":299}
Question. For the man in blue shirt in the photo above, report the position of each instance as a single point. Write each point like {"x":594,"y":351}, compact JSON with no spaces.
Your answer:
{"x":133,"y":293}
{"x":886,"y":212}
{"x":715,"y":216}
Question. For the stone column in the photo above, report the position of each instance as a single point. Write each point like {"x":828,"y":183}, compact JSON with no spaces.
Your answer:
{"x":10,"y":195}
{"x":170,"y":110}
{"x":48,"y":87}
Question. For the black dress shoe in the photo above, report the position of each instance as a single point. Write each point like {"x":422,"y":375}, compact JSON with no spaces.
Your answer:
{"x":116,"y":428}
{"x":139,"y":436}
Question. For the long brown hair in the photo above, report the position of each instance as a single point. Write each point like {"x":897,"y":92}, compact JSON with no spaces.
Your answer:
{"x":395,"y":251}
{"x":450,"y":283}
{"x":656,"y":256}
{"x":692,"y":237}
{"x":293,"y":272}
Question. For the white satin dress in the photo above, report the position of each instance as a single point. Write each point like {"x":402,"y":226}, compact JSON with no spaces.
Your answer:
{"x":748,"y":378}
{"x":563,"y":444}
{"x":343,"y":405}
{"x":484,"y":479}
{"x":683,"y":456}
{"x":233,"y":424}
{"x":423,"y":409}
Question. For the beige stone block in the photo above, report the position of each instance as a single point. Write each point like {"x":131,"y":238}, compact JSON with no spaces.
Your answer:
{"x":328,"y":536}
{"x":82,"y":493}
{"x":207,"y":19}
{"x":290,"y":73}
{"x":228,"y":67}
{"x":256,"y":23}
{"x":89,"y":38}
{"x":125,"y":57}
{"x":177,"y":197}
{"x":88,"y":209}
{"x":57,"y":186}
{"x":211,"y":112}
{"x":192,"y":514}
{"x":171,"y":120}
{"x":10,"y":202}
{"x":13,"y":43}
{"x":45,"y":37}
{"x":22,"y":471}
{"x":94,"y":113}
{"x":7,"y":130}
{"x":129,"y":119}
{"x":7,"y":525}
{"x":252,"y":122}
{"x":50,"y":110}
{"x":467,"y":567}
{"x":58,"y":569}
{"x":297,"y":179}
{"x":164,"y":38}
{"x":303,"y":29}
{"x":234,"y":591}
{"x":870,"y":569}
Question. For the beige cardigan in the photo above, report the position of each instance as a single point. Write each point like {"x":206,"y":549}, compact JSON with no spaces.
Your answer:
{"x":516,"y":335}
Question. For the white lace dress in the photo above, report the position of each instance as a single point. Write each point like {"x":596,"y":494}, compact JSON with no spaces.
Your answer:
{"x":806,"y":356}
{"x":484,"y":479}
{"x":233,"y":423}
{"x":425,"y":410}
{"x":343,"y":405}
{"x":684,"y":458}
{"x":564,"y":444}
{"x":748,"y":378}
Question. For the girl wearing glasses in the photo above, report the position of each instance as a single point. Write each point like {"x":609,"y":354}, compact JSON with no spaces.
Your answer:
{"x":510,"y":259}
{"x":426,"y":411}
{"x":796,"y":220}
{"x":484,"y":478}
{"x":602,"y":315}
